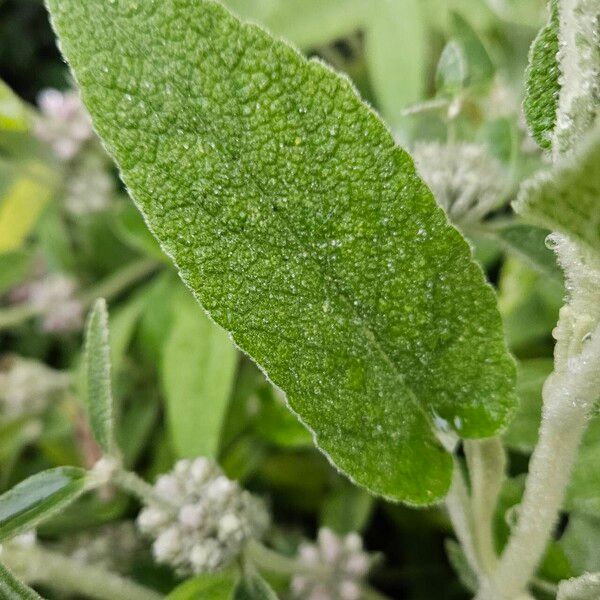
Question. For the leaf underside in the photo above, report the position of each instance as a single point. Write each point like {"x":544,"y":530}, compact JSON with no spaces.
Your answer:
{"x":302,"y":229}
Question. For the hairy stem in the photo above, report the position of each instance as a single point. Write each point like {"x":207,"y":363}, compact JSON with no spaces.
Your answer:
{"x":568,"y":396}
{"x":486,"y":461}
{"x":67,"y":575}
{"x":135,"y":485}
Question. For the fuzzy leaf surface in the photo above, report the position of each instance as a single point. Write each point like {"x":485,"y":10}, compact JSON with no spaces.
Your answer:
{"x":38,"y":498}
{"x":13,"y":589}
{"x":98,"y":389}
{"x":302,"y":229}
{"x":565,"y":198}
{"x":586,"y":587}
{"x":543,"y":87}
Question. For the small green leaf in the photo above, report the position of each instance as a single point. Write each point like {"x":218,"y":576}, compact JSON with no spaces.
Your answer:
{"x":98,"y":392}
{"x":198,"y":370}
{"x":565,"y":198}
{"x":586,"y":587}
{"x":480,"y":66}
{"x":14,"y":115}
{"x":302,"y":229}
{"x":581,"y":543}
{"x":252,"y":586}
{"x":451,"y":73}
{"x":38,"y":498}
{"x":543,"y":85}
{"x":217,"y":586}
{"x":522,"y":434}
{"x":14,"y":268}
{"x":13,"y":589}
{"x":528,"y":243}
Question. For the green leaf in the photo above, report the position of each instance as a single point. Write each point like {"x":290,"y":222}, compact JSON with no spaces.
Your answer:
{"x":461,"y":566}
{"x":543,"y":85}
{"x":38,"y":498}
{"x":451,"y":73}
{"x":14,"y":115}
{"x":396,"y":55}
{"x":253,"y":587}
{"x":302,"y":229}
{"x":581,"y":543}
{"x":346,"y":509}
{"x":586,"y":587}
{"x":98,"y":392}
{"x":198,"y":370}
{"x":522,"y":434}
{"x":14,"y":268}
{"x":13,"y":589}
{"x":480,"y":66}
{"x":528,"y":243}
{"x":216,"y":586}
{"x":565,"y":198}
{"x":130,"y":227}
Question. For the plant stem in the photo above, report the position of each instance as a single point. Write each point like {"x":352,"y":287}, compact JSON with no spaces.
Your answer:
{"x":568,"y":394}
{"x":458,"y":504}
{"x":134,"y":484}
{"x":67,"y":575}
{"x":486,"y":461}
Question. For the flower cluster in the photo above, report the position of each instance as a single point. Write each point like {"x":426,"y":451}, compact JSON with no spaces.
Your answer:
{"x":90,"y":187}
{"x":201,"y":520}
{"x":64,"y":124}
{"x":465,"y":179}
{"x":336,"y":568}
{"x":27,"y":386}
{"x":53,"y":296}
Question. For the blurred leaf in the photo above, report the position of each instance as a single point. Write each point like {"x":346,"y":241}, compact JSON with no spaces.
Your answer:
{"x":14,"y":115}
{"x":198,"y":370}
{"x":22,"y":203}
{"x":130,"y":227}
{"x":581,"y":543}
{"x":543,"y":85}
{"x":36,"y":499}
{"x":135,"y":427}
{"x":565,"y":198}
{"x":583,"y":494}
{"x":276,"y":424}
{"x":13,"y":589}
{"x":252,"y":586}
{"x":370,"y":341}
{"x":528,"y":243}
{"x":217,"y":586}
{"x":14,"y":268}
{"x":347,"y":508}
{"x":98,"y":396}
{"x":243,"y":458}
{"x":522,"y":433}
{"x":586,"y":587}
{"x":481,"y":69}
{"x":396,"y":55}
{"x":452,"y":71}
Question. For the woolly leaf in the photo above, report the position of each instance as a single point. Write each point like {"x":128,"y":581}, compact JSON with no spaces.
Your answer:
{"x":302,"y":229}
{"x":565,"y":199}
{"x":586,"y":587}
{"x":98,"y":392}
{"x":543,"y":87}
{"x":38,"y":498}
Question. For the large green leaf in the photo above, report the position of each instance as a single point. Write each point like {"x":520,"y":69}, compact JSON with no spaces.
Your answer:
{"x":543,"y":86}
{"x":98,"y":392}
{"x":38,"y":498}
{"x":13,"y":589}
{"x":198,"y":370}
{"x":302,"y":229}
{"x":565,"y":199}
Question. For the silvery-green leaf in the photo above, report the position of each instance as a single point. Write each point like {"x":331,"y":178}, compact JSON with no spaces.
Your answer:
{"x":302,"y":229}
{"x":13,"y":589}
{"x":98,"y":389}
{"x":38,"y":498}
